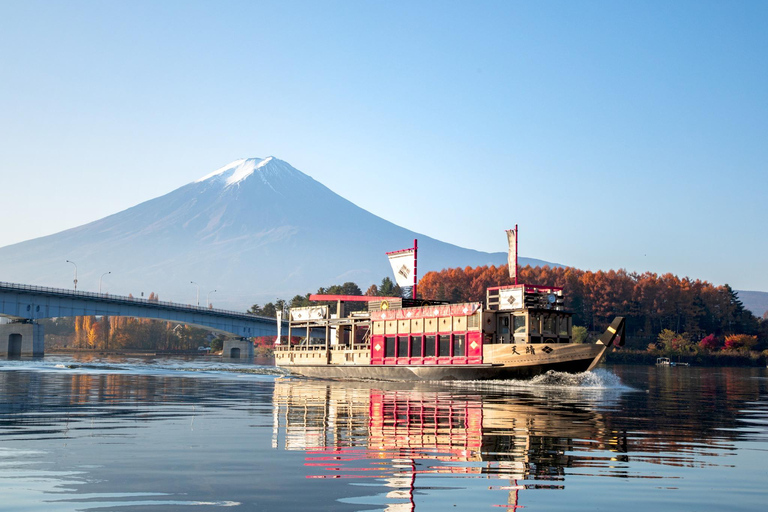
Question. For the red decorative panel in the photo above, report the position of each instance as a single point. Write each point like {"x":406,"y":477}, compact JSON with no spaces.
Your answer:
{"x":474,"y":347}
{"x":377,"y":349}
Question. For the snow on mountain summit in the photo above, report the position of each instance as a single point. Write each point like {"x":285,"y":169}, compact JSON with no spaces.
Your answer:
{"x":237,"y":171}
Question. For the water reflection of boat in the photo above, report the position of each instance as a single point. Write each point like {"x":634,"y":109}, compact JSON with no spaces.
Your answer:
{"x":413,"y":430}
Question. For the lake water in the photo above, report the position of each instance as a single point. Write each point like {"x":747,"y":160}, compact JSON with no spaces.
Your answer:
{"x":167,"y":434}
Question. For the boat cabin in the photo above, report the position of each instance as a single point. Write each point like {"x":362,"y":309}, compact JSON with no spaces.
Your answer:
{"x":397,"y":331}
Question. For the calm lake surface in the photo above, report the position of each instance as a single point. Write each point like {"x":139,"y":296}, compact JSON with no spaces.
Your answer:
{"x":170,"y":434}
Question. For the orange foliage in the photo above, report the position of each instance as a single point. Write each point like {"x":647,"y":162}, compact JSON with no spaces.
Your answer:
{"x":651,"y":302}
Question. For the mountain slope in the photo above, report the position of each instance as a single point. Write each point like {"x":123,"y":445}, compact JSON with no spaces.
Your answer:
{"x":756,"y":302}
{"x":253,"y":230}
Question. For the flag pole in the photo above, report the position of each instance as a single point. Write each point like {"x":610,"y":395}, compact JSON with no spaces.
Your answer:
{"x":516,"y":234}
{"x":415,"y":265}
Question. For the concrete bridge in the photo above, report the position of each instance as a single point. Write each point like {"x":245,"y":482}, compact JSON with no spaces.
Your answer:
{"x":25,"y":304}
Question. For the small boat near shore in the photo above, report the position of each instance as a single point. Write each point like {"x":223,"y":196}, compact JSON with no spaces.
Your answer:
{"x":665,"y":361}
{"x":519,"y":331}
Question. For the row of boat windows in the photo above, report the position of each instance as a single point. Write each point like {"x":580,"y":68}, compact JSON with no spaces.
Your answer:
{"x":441,"y":345}
{"x":551,"y":324}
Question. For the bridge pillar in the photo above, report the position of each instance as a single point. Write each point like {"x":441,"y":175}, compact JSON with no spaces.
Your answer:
{"x":237,"y":349}
{"x":22,"y":339}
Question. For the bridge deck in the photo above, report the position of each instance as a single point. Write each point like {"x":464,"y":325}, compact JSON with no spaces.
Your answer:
{"x":28,"y":302}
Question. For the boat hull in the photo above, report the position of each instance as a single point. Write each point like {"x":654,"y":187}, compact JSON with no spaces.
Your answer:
{"x":437,"y":372}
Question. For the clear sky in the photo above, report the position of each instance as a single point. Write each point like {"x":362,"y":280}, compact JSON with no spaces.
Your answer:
{"x":616,"y":134}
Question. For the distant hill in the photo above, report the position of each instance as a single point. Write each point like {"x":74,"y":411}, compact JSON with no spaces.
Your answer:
{"x":254,"y":230}
{"x":756,"y":302}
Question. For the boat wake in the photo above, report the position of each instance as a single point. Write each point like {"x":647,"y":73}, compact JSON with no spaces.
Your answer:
{"x":596,"y":380}
{"x":157,"y":367}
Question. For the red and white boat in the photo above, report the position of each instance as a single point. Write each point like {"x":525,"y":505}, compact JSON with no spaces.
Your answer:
{"x":519,"y":331}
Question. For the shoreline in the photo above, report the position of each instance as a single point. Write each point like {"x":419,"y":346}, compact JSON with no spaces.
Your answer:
{"x":755,"y":360}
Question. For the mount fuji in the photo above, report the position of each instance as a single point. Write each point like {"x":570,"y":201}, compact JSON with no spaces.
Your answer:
{"x":253,"y":230}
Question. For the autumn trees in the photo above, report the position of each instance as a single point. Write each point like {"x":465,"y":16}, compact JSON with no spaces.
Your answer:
{"x":119,"y":333}
{"x":650,"y":302}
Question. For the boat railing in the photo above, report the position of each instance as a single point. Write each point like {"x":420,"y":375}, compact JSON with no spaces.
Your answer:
{"x":357,"y":346}
{"x":283,"y":348}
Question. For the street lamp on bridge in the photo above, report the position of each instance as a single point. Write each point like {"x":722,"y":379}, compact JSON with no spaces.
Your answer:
{"x":198,"y":291}
{"x":102,"y":276}
{"x":208,"y":304}
{"x":72,"y":262}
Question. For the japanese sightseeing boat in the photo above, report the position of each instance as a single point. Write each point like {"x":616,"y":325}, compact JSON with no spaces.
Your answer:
{"x":520,"y":331}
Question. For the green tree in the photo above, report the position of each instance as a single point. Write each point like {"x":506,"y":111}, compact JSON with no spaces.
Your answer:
{"x":739,"y":319}
{"x":299,"y":301}
{"x":580,"y":334}
{"x":675,"y":342}
{"x":388,"y":288}
{"x":269,"y":310}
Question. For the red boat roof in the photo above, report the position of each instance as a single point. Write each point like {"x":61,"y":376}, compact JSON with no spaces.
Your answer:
{"x":528,"y":287}
{"x":351,"y":298}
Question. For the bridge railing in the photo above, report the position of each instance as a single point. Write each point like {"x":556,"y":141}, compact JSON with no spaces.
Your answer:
{"x":127,"y":300}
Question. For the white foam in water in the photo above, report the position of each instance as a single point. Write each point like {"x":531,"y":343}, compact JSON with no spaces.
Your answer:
{"x":596,"y":380}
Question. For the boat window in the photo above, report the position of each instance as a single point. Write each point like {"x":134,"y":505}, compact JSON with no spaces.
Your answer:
{"x":548,"y":324}
{"x":519,"y":324}
{"x":503,"y":325}
{"x":402,"y":346}
{"x":416,"y":346}
{"x":534,"y":327}
{"x":429,"y":346}
{"x":458,"y":345}
{"x":563,"y":326}
{"x":444,"y":342}
{"x":389,"y":346}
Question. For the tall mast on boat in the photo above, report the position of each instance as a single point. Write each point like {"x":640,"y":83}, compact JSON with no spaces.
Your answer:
{"x":512,"y":262}
{"x":415,"y":265}
{"x":515,"y":253}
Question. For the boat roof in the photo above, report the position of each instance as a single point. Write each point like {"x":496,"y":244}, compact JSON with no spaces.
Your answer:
{"x":528,"y":287}
{"x":351,"y":298}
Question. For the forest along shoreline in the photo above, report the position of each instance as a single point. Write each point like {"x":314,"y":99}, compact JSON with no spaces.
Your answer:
{"x":686,"y":320}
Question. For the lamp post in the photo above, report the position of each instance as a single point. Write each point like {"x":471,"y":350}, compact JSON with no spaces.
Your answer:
{"x":198,"y":291}
{"x":207,"y":304}
{"x":72,"y":262}
{"x":102,"y":276}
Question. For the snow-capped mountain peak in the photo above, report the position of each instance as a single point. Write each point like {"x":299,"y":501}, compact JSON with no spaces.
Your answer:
{"x":237,"y":171}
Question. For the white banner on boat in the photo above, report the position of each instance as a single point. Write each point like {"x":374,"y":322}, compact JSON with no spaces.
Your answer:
{"x":403,"y":264}
{"x":309,"y":313}
{"x":512,"y":253}
{"x":511,"y":298}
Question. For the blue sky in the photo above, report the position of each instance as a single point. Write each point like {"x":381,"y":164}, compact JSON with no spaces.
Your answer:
{"x":616,"y":134}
